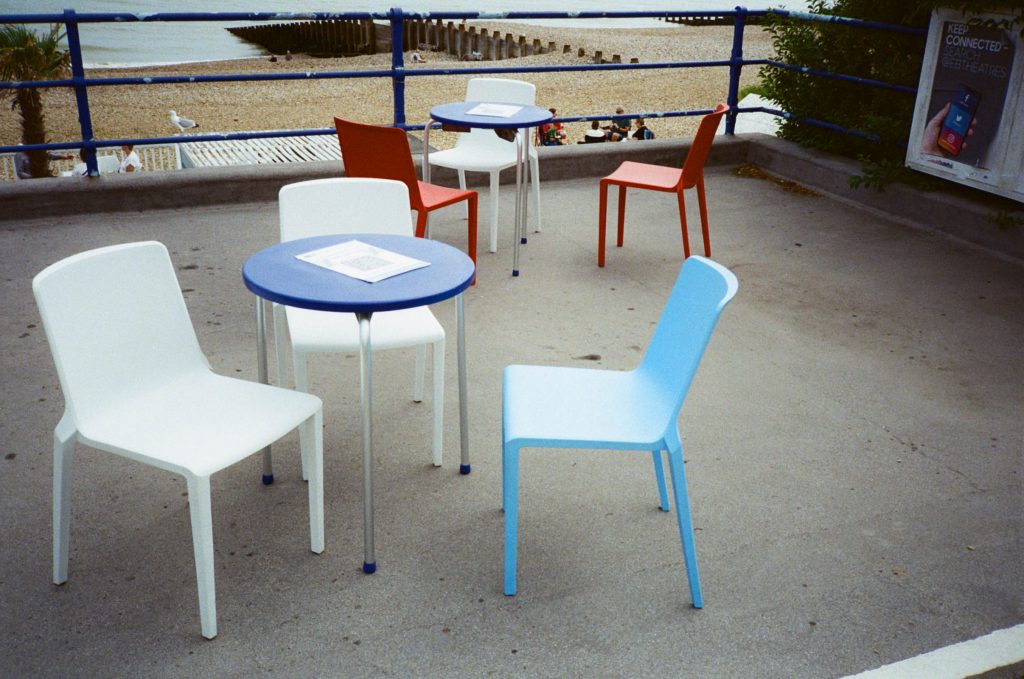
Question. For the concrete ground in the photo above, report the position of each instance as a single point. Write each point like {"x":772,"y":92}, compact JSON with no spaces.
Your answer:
{"x":854,"y":441}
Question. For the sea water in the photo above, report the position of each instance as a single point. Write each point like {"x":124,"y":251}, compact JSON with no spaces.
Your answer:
{"x":139,"y":43}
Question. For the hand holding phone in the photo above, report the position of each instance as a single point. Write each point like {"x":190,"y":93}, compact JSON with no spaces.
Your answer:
{"x":957,"y":123}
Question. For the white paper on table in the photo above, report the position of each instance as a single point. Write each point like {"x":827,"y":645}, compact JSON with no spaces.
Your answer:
{"x":495,"y":110}
{"x":363,"y":261}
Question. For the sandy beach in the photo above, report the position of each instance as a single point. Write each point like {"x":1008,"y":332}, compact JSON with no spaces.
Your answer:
{"x":142,"y":111}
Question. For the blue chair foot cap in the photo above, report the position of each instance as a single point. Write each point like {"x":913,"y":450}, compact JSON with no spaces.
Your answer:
{"x":464,"y":469}
{"x":515,"y":272}
{"x":268,"y":479}
{"x":370,"y":567}
{"x":522,"y":241}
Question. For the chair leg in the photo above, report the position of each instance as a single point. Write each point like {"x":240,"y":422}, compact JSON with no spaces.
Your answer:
{"x":300,"y":369}
{"x":280,"y":343}
{"x":311,"y":443}
{"x":64,"y":437}
{"x":602,"y":221}
{"x":682,"y":224}
{"x":437,"y":350}
{"x":659,"y":474}
{"x":493,"y":197}
{"x":202,"y":545}
{"x":510,"y":503}
{"x":702,"y":202}
{"x":535,"y":182}
{"x":622,"y":215}
{"x":421,"y":224}
{"x":675,"y":463}
{"x":420,"y":369}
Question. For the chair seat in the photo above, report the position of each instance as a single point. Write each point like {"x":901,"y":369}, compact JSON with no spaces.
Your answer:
{"x":642,"y":175}
{"x":325,"y":331}
{"x":199,"y":423}
{"x":557,"y":407}
{"x":472,"y":157}
{"x":435,"y":196}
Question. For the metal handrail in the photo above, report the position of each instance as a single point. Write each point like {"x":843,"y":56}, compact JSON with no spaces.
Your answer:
{"x":398,"y":73}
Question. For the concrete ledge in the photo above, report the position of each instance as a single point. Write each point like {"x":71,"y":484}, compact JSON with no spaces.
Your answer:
{"x":256,"y":183}
{"x":961,"y":213}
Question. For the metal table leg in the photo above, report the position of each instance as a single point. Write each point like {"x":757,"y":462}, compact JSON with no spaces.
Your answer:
{"x":366,"y":396}
{"x":518,"y":230}
{"x":460,"y":322}
{"x":261,"y":368}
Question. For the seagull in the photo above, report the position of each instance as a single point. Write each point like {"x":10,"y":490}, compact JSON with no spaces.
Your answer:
{"x":182,"y":123}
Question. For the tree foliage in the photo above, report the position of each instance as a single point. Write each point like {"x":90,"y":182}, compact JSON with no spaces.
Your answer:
{"x":868,"y":53}
{"x":26,"y":56}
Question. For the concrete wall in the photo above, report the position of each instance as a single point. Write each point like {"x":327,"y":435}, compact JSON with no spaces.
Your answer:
{"x":965,"y":215}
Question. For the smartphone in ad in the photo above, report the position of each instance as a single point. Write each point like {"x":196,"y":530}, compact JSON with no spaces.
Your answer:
{"x":958,"y":121}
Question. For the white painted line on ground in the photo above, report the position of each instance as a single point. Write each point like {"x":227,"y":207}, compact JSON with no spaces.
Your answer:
{"x":998,"y":649}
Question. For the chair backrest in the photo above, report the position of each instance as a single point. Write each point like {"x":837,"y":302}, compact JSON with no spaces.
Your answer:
{"x":379,"y":153}
{"x":497,"y":90}
{"x":107,"y":164}
{"x":702,"y":290}
{"x":117,"y":325}
{"x":344,"y":205}
{"x":693,"y":167}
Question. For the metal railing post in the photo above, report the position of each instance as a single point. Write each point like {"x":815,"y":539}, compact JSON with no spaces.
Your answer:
{"x":81,"y":92}
{"x":397,"y":65}
{"x":735,"y":67}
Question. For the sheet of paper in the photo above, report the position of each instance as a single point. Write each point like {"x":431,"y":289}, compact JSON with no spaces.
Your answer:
{"x":363,"y":261}
{"x":495,"y":110}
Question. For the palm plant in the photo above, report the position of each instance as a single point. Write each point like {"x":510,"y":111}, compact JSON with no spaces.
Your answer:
{"x":25,"y":56}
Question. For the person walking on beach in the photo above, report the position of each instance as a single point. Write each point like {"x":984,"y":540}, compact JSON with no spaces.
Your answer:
{"x":130,"y":162}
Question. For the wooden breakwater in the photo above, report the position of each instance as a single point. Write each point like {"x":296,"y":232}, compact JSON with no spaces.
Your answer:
{"x":335,"y":38}
{"x":719,"y":20}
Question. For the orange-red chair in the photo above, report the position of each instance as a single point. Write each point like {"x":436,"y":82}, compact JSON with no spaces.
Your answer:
{"x":383,"y":153}
{"x":667,"y":179}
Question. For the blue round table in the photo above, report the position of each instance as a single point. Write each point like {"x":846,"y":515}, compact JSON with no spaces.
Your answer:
{"x":457,"y":117}
{"x":277,"y":275}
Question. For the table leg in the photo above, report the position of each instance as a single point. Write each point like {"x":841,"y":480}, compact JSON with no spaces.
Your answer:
{"x":518,"y":230}
{"x":460,"y":322}
{"x":261,"y":368}
{"x":525,"y":132}
{"x":366,"y":396}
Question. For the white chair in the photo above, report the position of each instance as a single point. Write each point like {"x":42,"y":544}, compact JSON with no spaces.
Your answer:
{"x":483,"y":151}
{"x":107,"y":164}
{"x":137,"y":384}
{"x":355,"y":205}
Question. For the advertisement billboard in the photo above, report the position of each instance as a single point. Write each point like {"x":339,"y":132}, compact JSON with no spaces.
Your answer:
{"x":969,"y":118}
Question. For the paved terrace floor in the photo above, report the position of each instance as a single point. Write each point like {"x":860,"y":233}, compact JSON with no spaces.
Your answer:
{"x":854,"y":445}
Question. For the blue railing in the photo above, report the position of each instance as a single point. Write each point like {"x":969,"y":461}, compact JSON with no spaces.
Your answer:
{"x":398,"y":74}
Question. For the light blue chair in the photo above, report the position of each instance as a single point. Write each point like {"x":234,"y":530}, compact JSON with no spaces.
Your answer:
{"x":552,"y":407}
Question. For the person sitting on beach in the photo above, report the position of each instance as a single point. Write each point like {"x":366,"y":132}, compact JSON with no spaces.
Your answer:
{"x":642,"y":132}
{"x":552,"y":133}
{"x":619,"y":129}
{"x":595,"y":135}
{"x":130,"y":162}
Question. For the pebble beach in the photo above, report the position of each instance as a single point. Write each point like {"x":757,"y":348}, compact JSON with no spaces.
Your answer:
{"x":143,"y":110}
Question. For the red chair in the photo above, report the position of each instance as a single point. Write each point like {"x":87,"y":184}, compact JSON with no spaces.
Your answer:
{"x":383,"y":153}
{"x":667,"y":179}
